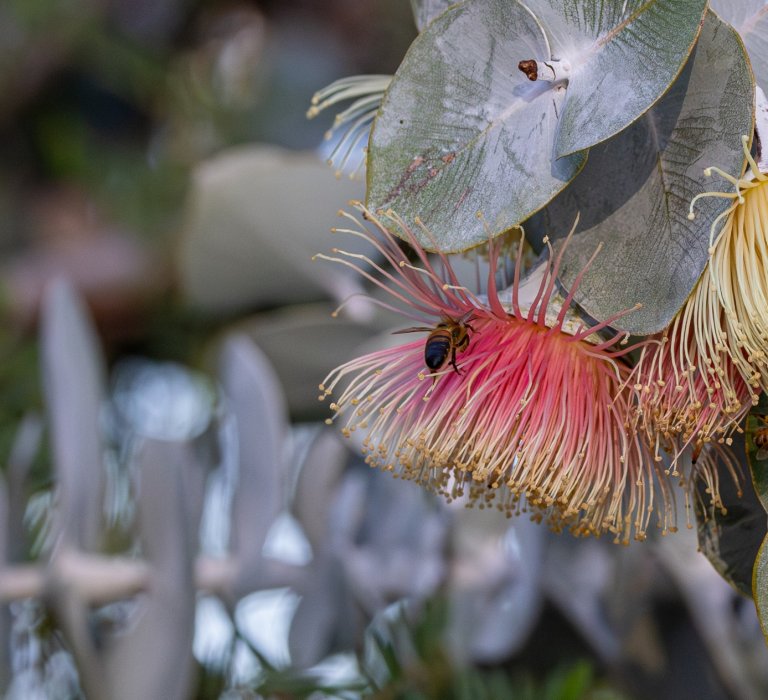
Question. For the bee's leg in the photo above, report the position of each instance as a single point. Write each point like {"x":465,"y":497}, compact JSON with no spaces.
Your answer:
{"x":453,"y":362}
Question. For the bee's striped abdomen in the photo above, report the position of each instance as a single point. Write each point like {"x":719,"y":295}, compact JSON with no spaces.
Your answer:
{"x":437,"y":349}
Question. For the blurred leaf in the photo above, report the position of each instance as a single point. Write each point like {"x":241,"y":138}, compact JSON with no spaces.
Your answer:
{"x":255,"y":216}
{"x":495,"y":585}
{"x":572,"y":684}
{"x":20,"y":386}
{"x":756,"y":431}
{"x":634,"y":193}
{"x":328,"y":617}
{"x":393,"y":540}
{"x":402,"y":640}
{"x":317,"y":483}
{"x":579,"y":577}
{"x":297,"y":684}
{"x":304,"y":344}
{"x":160,"y":638}
{"x":24,"y":451}
{"x":730,"y":540}
{"x":73,"y":372}
{"x":711,"y":603}
{"x":460,"y":130}
{"x":760,"y":587}
{"x":750,"y":19}
{"x":406,"y":659}
{"x":424,"y":11}
{"x":256,"y":399}
{"x":757,"y":427}
{"x":623,"y":58}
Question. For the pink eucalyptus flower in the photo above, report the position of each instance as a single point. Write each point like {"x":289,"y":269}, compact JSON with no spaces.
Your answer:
{"x":532,"y":417}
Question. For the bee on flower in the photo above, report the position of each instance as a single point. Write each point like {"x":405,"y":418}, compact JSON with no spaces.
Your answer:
{"x":534,"y":414}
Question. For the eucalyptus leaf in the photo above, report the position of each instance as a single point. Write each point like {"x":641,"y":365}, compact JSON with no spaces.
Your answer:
{"x":760,"y":586}
{"x":750,"y":19}
{"x":397,"y":549}
{"x":153,"y":659}
{"x":6,"y":621}
{"x":256,"y":401}
{"x":462,"y":131}
{"x":254,"y":217}
{"x":303,"y":344}
{"x":328,"y":618}
{"x":757,"y":453}
{"x":424,"y":11}
{"x":318,"y":480}
{"x":622,"y":56}
{"x":495,"y":589}
{"x":734,"y":658}
{"x":73,"y":370}
{"x":731,"y":540}
{"x":757,"y":426}
{"x":634,"y":193}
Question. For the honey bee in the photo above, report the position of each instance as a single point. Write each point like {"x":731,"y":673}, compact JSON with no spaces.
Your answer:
{"x":444,"y":341}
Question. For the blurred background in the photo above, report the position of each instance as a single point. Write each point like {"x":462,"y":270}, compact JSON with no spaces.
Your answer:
{"x":176,"y":520}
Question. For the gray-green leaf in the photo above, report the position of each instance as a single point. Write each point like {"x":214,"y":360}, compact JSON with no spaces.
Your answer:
{"x":750,"y":19}
{"x":623,"y":57}
{"x":462,"y":130}
{"x":760,"y":586}
{"x":633,"y":196}
{"x":755,"y":433}
{"x":424,"y":11}
{"x":731,"y":540}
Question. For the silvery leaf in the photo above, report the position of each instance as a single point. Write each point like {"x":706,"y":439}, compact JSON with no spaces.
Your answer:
{"x":750,"y":19}
{"x":622,"y":56}
{"x":73,"y":371}
{"x":634,"y":193}
{"x":256,"y":400}
{"x":424,"y":11}
{"x":461,"y":130}
{"x":317,"y":485}
{"x":495,"y":586}
{"x":254,"y":218}
{"x":153,"y":658}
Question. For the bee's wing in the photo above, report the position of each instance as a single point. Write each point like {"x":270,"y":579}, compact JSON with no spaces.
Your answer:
{"x":415,"y":329}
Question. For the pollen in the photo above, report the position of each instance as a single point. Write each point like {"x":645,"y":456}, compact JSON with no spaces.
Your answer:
{"x":535,"y":418}
{"x":737,"y":273}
